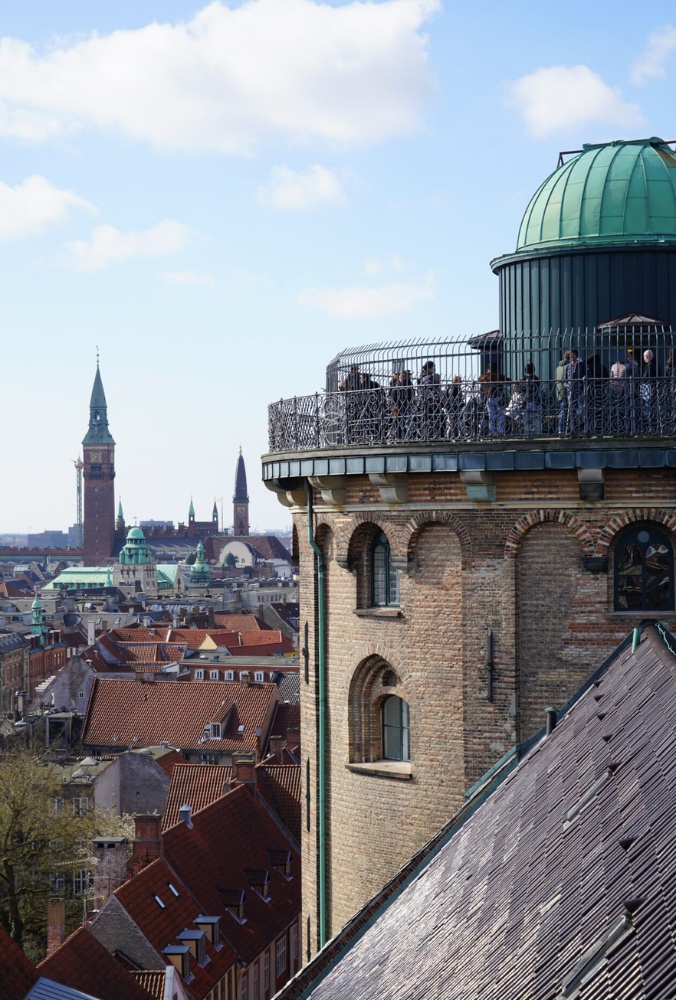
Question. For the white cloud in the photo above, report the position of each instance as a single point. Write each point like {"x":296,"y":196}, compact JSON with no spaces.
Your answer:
{"x":230,"y":77}
{"x":360,"y":302}
{"x":301,"y":189}
{"x":651,"y":62}
{"x":565,"y":97}
{"x":188,"y":278}
{"x":108,"y":245}
{"x":376,"y":265}
{"x":28,"y":208}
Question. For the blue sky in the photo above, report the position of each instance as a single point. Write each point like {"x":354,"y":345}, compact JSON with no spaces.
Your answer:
{"x":221,"y":197}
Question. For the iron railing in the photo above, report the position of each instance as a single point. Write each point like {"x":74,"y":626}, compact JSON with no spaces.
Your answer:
{"x":622,"y":385}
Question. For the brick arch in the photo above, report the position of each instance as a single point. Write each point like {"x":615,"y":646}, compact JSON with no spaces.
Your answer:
{"x":347,"y":531}
{"x":365,"y":697}
{"x":424,"y":519}
{"x":524,"y":524}
{"x":627,"y":517}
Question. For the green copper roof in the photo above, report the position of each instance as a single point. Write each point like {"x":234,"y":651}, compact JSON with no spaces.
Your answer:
{"x":98,"y":432}
{"x":136,"y":532}
{"x":616,"y":192}
{"x":191,"y":509}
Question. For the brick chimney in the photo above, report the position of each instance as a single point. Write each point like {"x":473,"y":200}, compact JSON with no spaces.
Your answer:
{"x":244,"y":769}
{"x":276,"y":743}
{"x":56,"y":924}
{"x":111,"y":870}
{"x":148,"y":843}
{"x":293,"y":737}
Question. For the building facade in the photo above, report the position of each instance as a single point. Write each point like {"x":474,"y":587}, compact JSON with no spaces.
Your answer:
{"x":478,"y":523}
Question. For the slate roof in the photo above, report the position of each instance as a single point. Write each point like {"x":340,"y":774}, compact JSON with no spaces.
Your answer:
{"x":125,"y":714}
{"x":82,"y":963}
{"x":229,"y":837}
{"x":161,"y":925}
{"x":17,"y":972}
{"x":560,"y":884}
{"x":196,"y":785}
{"x":279,"y":785}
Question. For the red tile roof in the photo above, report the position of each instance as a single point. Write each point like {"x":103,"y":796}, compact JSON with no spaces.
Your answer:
{"x":229,"y":837}
{"x":169,"y":760}
{"x":17,"y":972}
{"x":161,"y":925}
{"x":196,"y":785}
{"x":279,"y":784}
{"x":287,"y":717}
{"x":82,"y":963}
{"x":237,"y":623}
{"x":124,"y":714}
{"x":152,"y":980}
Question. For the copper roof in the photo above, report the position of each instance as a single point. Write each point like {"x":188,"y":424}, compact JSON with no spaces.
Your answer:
{"x":560,"y":884}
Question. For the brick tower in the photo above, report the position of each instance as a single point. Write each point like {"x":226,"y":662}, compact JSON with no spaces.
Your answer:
{"x":99,"y":476}
{"x":240,"y":500}
{"x":480,"y":521}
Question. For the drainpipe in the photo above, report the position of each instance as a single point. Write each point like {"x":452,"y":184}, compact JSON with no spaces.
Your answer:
{"x":321,"y":715}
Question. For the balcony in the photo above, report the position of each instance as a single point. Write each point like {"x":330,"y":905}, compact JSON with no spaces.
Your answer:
{"x":485,"y":405}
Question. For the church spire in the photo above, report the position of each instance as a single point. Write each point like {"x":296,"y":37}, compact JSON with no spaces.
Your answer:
{"x":240,"y":499}
{"x":98,"y":432}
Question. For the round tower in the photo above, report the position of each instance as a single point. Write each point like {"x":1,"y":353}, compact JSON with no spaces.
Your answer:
{"x":480,"y":521}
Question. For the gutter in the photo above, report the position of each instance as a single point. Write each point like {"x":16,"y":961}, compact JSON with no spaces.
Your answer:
{"x":321,"y":718}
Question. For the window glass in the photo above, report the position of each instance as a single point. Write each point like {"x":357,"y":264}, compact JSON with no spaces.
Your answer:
{"x":644,"y":574}
{"x":395,"y":729}
{"x":384,"y":578}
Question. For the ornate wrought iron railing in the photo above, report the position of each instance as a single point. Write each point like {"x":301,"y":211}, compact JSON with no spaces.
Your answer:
{"x":474,"y":411}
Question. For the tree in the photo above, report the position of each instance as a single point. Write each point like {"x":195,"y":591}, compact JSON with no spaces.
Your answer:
{"x":41,"y":837}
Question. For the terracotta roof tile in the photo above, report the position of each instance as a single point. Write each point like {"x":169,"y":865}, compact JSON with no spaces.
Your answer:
{"x":235,"y":834}
{"x":82,"y":963}
{"x":152,"y":981}
{"x":560,"y":883}
{"x":234,"y":622}
{"x":279,"y":784}
{"x":196,"y":785}
{"x":121,"y":714}
{"x":17,"y":972}
{"x":161,"y":925}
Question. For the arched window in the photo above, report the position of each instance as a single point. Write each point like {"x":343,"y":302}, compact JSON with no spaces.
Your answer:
{"x":644,"y":570}
{"x":395,"y":729}
{"x":384,"y":580}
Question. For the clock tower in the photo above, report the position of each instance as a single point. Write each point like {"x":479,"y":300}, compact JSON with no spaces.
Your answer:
{"x":240,"y":501}
{"x":99,"y":476}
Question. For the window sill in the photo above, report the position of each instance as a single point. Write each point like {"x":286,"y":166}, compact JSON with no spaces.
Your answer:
{"x":642,"y":615}
{"x":378,"y":612}
{"x":401,"y":769}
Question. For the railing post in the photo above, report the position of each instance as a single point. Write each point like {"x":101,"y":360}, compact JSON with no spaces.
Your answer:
{"x":317,"y":422}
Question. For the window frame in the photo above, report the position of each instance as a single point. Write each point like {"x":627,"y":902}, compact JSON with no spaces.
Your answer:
{"x":396,"y":734}
{"x":384,"y":579}
{"x":631,"y":536}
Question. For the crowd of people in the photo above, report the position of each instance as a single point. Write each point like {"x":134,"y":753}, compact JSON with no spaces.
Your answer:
{"x":584,"y":399}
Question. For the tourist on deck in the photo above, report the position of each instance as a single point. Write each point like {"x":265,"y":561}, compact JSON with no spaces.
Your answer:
{"x":494,"y":386}
{"x":574,"y":375}
{"x":561,"y":395}
{"x":431,"y":402}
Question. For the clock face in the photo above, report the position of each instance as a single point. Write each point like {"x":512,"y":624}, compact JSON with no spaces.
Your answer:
{"x":95,"y":456}
{"x":240,"y":512}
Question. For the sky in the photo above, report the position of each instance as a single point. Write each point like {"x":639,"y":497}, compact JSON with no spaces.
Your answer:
{"x":221,"y":197}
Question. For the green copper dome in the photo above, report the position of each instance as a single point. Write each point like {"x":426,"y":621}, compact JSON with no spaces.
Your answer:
{"x":136,"y":532}
{"x":612,"y":193}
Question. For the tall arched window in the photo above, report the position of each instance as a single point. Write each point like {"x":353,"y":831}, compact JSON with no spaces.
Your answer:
{"x":384,"y":580}
{"x":644,"y":570}
{"x":395,"y":729}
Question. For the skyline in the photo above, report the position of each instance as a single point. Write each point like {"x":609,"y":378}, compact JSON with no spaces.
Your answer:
{"x":223,"y":196}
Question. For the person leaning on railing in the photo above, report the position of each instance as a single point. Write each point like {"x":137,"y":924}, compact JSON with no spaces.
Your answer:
{"x":432,"y":400}
{"x":561,"y":394}
{"x":494,"y":385}
{"x":401,"y":398}
{"x":574,"y":375}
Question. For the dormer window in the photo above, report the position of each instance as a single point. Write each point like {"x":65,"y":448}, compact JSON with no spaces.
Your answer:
{"x":281,"y":862}
{"x":215,"y":730}
{"x":258,"y":880}
{"x":196,"y":941}
{"x":213,"y":926}
{"x":233,"y":900}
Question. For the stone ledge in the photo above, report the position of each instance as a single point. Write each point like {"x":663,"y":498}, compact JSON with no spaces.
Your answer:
{"x":400,"y":769}
{"x":379,"y":612}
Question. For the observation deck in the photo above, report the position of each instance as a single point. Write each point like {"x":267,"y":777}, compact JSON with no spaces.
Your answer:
{"x":583,"y":400}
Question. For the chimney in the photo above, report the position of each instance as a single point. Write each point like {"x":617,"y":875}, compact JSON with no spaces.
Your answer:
{"x":276,"y":743}
{"x":244,"y":768}
{"x":147,"y":840}
{"x":184,"y":815}
{"x":56,"y":924}
{"x":293,"y":737}
{"x":91,"y":632}
{"x":111,"y":870}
